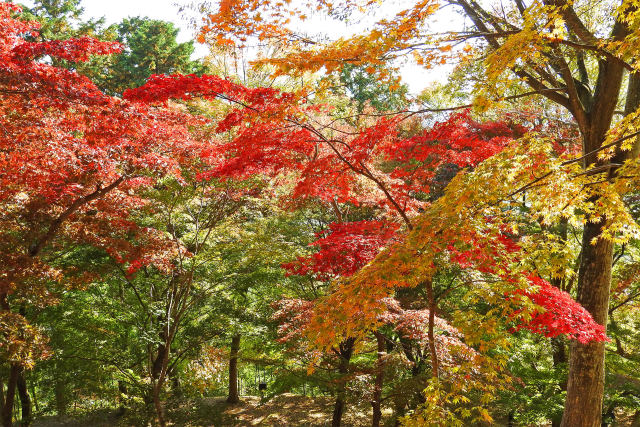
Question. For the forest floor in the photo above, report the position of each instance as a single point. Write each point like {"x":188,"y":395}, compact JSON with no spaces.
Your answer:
{"x":283,"y":410}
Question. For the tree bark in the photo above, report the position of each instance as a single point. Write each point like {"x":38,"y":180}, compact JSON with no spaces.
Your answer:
{"x":233,"y":370}
{"x":345,"y":352}
{"x":376,"y":403}
{"x":9,"y":397}
{"x":585,"y":385}
{"x":25,"y":400}
{"x":161,"y":355}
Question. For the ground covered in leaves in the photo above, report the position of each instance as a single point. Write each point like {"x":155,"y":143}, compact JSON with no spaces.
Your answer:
{"x":282,"y":410}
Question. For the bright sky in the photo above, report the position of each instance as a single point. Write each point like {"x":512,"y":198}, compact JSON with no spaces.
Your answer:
{"x":168,"y":10}
{"x":116,"y":10}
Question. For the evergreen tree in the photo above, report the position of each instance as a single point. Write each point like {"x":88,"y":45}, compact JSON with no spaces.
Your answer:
{"x":150,"y":48}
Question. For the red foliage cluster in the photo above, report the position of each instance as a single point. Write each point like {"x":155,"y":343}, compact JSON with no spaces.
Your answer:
{"x":482,"y":251}
{"x":75,"y":162}
{"x":74,"y":50}
{"x":275,"y":131}
{"x":459,"y":141}
{"x":161,"y":88}
{"x":561,"y":315}
{"x":45,"y":85}
{"x":344,"y":249}
{"x":293,"y":315}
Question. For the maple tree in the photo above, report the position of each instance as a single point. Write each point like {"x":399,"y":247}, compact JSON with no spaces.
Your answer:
{"x":555,"y":49}
{"x":74,"y":165}
{"x":166,"y":301}
{"x":339,"y":165}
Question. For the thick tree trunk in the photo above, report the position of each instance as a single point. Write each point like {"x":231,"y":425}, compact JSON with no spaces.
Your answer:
{"x":25,"y":400}
{"x":9,"y":397}
{"x":233,"y":370}
{"x":585,"y":386}
{"x":376,"y":403}
{"x":345,"y":352}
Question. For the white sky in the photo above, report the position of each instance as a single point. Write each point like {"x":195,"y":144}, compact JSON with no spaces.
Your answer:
{"x":168,"y":10}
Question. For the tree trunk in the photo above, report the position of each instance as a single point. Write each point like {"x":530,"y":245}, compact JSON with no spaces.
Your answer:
{"x":60,"y":397}
{"x":558,"y":344}
{"x":9,"y":397}
{"x":35,"y":398}
{"x":157,"y":403}
{"x":122,"y":397}
{"x":233,"y":370}
{"x":379,"y":381}
{"x":25,"y":400}
{"x":158,"y":363}
{"x":585,"y":385}
{"x":432,"y":341}
{"x":176,"y":386}
{"x":159,"y":373}
{"x":345,"y":352}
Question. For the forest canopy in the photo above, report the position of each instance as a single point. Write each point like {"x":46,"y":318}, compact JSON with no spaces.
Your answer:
{"x":286,"y":224}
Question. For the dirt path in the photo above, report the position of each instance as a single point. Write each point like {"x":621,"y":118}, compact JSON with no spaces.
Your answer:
{"x":285,"y":410}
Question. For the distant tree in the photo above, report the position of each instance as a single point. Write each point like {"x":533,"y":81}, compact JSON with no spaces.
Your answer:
{"x":61,"y":19}
{"x":364,"y":87}
{"x":150,"y":47}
